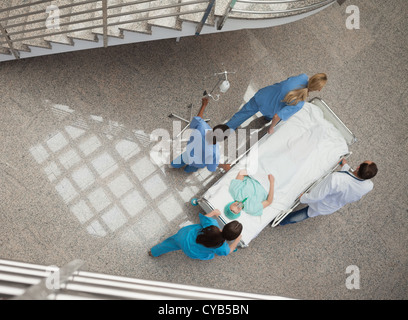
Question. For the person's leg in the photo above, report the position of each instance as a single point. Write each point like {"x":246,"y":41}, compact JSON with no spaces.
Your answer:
{"x":168,"y":245}
{"x":247,"y":111}
{"x":178,"y":162}
{"x":295,"y":216}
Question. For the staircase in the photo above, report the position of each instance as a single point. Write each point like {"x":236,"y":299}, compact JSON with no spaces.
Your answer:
{"x":31,"y":28}
{"x":27,"y":281}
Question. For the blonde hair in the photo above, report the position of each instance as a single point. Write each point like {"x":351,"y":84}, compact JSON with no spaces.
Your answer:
{"x":315,"y":83}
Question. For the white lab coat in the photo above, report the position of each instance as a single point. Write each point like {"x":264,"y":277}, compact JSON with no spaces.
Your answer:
{"x":337,"y":190}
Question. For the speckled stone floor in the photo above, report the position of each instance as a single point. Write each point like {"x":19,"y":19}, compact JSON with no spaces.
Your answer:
{"x":77,"y":180}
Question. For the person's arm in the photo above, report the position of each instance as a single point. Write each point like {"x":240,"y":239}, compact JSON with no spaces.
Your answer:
{"x":203,"y":106}
{"x":269,"y":200}
{"x":235,"y":243}
{"x":241,"y":174}
{"x":225,"y":166}
{"x":209,"y":219}
{"x":213,"y":213}
{"x":344,"y":165}
{"x":275,"y":121}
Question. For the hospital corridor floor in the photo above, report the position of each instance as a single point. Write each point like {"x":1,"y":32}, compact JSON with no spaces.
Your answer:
{"x":80,"y":177}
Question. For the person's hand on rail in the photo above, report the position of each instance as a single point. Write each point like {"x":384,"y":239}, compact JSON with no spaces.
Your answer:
{"x":225,"y":166}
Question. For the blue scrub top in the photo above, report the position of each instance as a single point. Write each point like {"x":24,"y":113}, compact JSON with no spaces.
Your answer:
{"x":269,"y":99}
{"x":210,"y":154}
{"x":186,"y":237}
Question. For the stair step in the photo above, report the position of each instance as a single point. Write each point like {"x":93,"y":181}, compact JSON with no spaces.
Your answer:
{"x":37,"y":42}
{"x":263,"y":7}
{"x":5,"y":51}
{"x":83,"y":34}
{"x":60,"y":38}
{"x":196,"y":17}
{"x":16,"y":45}
{"x":169,"y":22}
{"x":221,"y":7}
{"x":141,"y":26}
{"x":113,"y":31}
{"x":3,"y":15}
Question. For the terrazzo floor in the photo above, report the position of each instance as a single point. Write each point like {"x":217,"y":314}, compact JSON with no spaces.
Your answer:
{"x":79,"y":180}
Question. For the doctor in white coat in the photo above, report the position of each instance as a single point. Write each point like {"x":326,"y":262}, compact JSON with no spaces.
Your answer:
{"x":337,"y":190}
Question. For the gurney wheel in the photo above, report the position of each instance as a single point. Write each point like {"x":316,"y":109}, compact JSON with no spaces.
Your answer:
{"x":194,"y":201}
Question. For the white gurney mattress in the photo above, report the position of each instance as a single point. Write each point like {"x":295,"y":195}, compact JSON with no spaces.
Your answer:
{"x":300,"y":151}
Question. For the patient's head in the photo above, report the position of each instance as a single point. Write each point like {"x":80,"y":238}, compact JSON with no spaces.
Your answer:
{"x":235,"y":207}
{"x":233,"y":210}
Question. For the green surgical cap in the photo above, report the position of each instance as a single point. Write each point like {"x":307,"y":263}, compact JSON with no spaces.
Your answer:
{"x":229,"y":214}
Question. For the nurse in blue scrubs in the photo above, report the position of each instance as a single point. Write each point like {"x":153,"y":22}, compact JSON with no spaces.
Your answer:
{"x":279,"y":101}
{"x":204,"y":240}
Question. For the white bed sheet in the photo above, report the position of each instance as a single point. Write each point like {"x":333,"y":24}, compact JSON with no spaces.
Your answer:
{"x":298,"y":153}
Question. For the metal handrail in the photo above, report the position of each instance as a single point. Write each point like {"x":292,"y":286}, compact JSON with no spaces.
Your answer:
{"x":28,"y":4}
{"x":75,"y":4}
{"x":101,"y":25}
{"x":20,"y":280}
{"x":230,"y":9}
{"x":270,"y":2}
{"x":308,"y":7}
{"x":99,"y":9}
{"x":8,"y":36}
{"x":105,"y":16}
{"x":99,"y":18}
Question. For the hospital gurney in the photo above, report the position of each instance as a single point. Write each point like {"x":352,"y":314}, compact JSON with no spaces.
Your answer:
{"x":300,"y":153}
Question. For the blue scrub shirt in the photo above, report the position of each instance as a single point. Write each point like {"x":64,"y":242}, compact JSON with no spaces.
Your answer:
{"x":269,"y":99}
{"x":185,"y":240}
{"x":210,"y":154}
{"x":195,"y":250}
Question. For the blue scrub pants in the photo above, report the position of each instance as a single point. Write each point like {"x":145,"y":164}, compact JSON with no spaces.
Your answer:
{"x":179,"y":163}
{"x":246,"y":112}
{"x":168,"y":245}
{"x":295,"y":216}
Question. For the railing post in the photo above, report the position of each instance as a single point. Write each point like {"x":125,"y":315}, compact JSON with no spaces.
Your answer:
{"x":205,"y":16}
{"x":225,"y":16}
{"x":105,"y":22}
{"x":9,"y":42}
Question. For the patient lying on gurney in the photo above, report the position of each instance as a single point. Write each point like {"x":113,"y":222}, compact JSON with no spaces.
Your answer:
{"x":249,"y":196}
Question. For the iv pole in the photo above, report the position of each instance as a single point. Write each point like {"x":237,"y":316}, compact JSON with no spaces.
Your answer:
{"x":223,"y":88}
{"x":190,"y":106}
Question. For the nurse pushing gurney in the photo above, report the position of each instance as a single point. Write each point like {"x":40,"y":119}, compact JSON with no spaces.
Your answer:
{"x":204,"y":240}
{"x":279,"y":101}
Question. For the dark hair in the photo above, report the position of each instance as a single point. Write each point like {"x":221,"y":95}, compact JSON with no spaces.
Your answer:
{"x":210,"y":237}
{"x":367,"y":171}
{"x":232,"y":230}
{"x":218,"y":137}
{"x":213,"y":237}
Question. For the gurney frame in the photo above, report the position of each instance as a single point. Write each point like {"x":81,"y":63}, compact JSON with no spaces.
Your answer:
{"x":329,"y":116}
